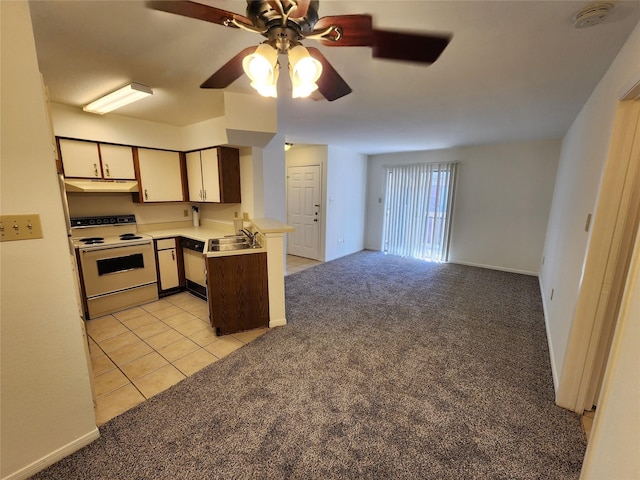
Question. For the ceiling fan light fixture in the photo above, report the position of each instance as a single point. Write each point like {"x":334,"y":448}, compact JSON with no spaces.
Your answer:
{"x":262,"y":68}
{"x":304,"y":71}
{"x":119,"y":98}
{"x":267,"y":89}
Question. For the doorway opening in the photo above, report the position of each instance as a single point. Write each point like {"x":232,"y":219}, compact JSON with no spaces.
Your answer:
{"x":303,"y":210}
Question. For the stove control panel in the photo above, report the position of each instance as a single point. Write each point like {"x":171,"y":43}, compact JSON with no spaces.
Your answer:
{"x":103,"y":221}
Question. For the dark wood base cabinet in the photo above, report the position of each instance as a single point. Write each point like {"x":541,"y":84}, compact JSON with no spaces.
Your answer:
{"x":238,"y":292}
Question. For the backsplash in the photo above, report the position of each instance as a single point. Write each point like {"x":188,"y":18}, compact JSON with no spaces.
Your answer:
{"x":90,"y":204}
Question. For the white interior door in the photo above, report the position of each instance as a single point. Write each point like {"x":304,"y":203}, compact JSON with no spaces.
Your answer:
{"x":303,"y":211}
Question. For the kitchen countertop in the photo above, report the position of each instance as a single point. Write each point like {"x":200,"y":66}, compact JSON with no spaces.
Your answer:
{"x":269,"y":225}
{"x":208,"y":230}
{"x":201,"y":233}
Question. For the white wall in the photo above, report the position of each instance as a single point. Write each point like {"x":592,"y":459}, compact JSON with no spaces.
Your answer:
{"x":345,"y":203}
{"x":274,"y":179}
{"x":47,"y":408}
{"x":501,"y":206}
{"x":583,"y":155}
{"x":74,"y":123}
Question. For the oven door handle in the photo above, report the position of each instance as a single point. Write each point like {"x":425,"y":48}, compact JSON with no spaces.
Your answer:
{"x":113,"y":247}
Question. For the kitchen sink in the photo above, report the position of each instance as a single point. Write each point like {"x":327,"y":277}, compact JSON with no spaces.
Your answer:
{"x":225,"y":247}
{"x":232,"y":242}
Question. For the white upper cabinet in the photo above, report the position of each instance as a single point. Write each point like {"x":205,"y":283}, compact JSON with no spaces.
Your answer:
{"x":213,"y":175}
{"x":80,"y":159}
{"x":117,"y":162}
{"x":210,"y":175}
{"x":160,"y":176}
{"x":84,"y":159}
{"x":194,"y":177}
{"x":203,"y":176}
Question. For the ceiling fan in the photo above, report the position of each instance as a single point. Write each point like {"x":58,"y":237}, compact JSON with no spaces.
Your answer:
{"x":285,"y":23}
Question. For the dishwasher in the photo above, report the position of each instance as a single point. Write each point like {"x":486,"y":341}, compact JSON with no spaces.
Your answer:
{"x":194,"y":266}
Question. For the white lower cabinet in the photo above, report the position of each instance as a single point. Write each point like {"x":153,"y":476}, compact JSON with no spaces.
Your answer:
{"x":168,"y":267}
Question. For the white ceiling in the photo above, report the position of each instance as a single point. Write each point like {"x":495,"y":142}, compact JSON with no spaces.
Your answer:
{"x":514,"y":71}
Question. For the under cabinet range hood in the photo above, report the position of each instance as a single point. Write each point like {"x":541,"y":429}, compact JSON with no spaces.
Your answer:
{"x":80,"y":185}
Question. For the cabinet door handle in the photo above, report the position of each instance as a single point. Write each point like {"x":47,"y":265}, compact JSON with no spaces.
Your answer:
{"x":106,"y":169}
{"x":95,"y":169}
{"x":173,"y":255}
{"x":205,"y":195}
{"x":200,"y":194}
{"x":146,"y":195}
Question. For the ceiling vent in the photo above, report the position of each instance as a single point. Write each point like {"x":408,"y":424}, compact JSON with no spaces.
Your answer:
{"x":591,"y":15}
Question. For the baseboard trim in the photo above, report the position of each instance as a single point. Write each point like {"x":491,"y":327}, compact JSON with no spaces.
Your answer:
{"x":493,"y":267}
{"x":54,"y":456}
{"x":554,"y":373}
{"x":277,"y":322}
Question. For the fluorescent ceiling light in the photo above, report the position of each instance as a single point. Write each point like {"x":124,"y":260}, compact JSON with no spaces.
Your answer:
{"x":119,"y":98}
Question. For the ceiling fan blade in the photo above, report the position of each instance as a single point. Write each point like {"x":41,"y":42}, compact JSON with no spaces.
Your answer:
{"x":409,"y":47}
{"x":229,"y":72}
{"x":330,"y":84}
{"x":356,"y":30}
{"x":199,"y":11}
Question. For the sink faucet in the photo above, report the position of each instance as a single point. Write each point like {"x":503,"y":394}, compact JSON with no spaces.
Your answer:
{"x":250,"y":236}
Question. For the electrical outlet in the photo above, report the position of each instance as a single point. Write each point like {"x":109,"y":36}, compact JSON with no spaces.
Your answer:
{"x":185,"y":213}
{"x":20,"y":227}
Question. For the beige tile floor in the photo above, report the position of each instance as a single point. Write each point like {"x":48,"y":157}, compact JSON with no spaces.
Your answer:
{"x":139,"y":352}
{"x":297,"y":264}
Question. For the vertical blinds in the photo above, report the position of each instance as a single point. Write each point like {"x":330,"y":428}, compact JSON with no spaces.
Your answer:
{"x":418,"y":207}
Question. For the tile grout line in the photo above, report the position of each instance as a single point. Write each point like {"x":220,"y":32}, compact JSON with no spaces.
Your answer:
{"x":117,"y":366}
{"x":131,"y":380}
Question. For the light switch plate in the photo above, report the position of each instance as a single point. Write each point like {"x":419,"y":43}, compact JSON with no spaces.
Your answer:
{"x":20,"y":227}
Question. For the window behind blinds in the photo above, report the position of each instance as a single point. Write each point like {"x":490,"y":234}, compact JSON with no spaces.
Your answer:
{"x":418,"y":206}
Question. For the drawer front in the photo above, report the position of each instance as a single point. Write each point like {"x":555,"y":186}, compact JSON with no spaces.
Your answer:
{"x":165,"y":243}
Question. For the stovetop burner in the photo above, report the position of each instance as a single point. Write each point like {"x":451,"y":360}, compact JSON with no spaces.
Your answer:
{"x":92,"y":240}
{"x":130,"y":236}
{"x":106,"y":231}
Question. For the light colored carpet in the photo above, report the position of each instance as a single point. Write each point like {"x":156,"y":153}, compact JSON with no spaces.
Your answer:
{"x":389,"y":368}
